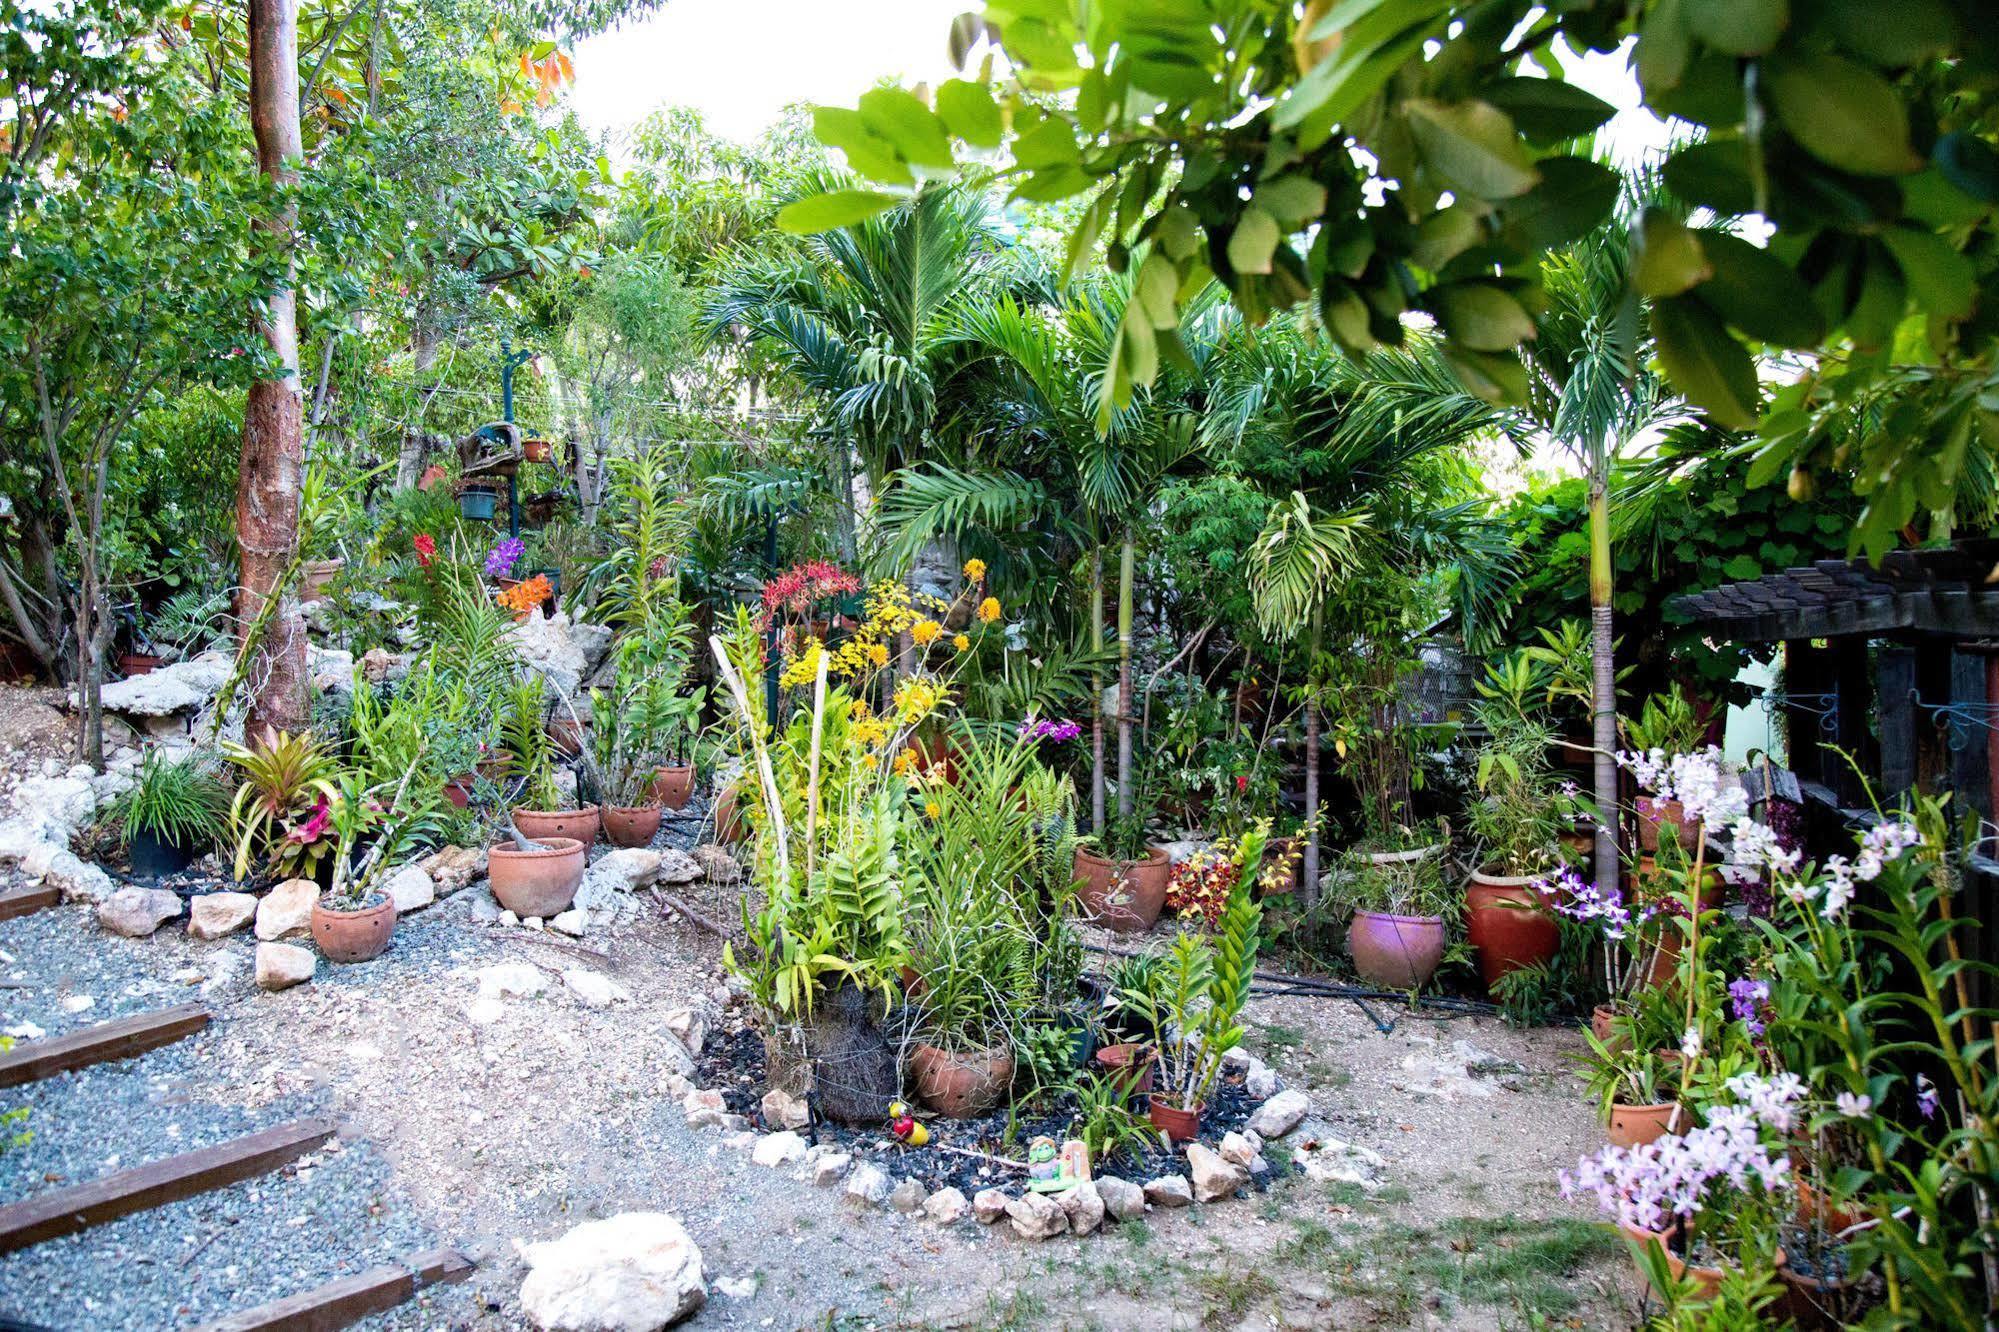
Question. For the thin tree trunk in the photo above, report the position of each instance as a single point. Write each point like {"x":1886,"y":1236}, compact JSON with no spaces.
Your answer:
{"x":1127,"y":560}
{"x":1603,"y":686}
{"x":416,"y":440}
{"x":1310,"y":869}
{"x":273,"y":462}
{"x":1097,"y":691}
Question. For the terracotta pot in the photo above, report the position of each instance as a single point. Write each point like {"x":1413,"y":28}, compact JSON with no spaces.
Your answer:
{"x":730,"y":825}
{"x":1814,"y":1208}
{"x":1578,"y":848}
{"x":1509,"y":923}
{"x":672,"y":785}
{"x":1177,"y":1124}
{"x":459,"y":791}
{"x":139,"y":663}
{"x":1395,"y":952}
{"x":960,"y":1085}
{"x":536,"y":883}
{"x":1650,"y":883}
{"x":1655,"y":816}
{"x":566,"y":732}
{"x":536,"y":450}
{"x":933,"y":754}
{"x":1130,"y":1066}
{"x":1707,"y":1280}
{"x":632,"y":826}
{"x":1636,"y":1125}
{"x":538,"y":825}
{"x":1123,"y":895}
{"x":314,"y":575}
{"x":357,"y":935}
{"x":1602,"y":1021}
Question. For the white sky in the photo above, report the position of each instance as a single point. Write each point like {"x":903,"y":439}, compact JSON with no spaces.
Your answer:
{"x":739,"y":62}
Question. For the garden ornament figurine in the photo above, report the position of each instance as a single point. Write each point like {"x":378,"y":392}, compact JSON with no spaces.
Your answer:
{"x":908,"y":1130}
{"x":1053,"y":1171}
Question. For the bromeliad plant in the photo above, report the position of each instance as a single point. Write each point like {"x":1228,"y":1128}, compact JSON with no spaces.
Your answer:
{"x":280,"y":818}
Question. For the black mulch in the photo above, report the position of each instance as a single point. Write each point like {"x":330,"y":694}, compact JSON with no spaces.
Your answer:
{"x":732,"y":1063}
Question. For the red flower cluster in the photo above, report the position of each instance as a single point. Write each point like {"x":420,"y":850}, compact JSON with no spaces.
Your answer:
{"x":1200,"y":886}
{"x":426,"y":548}
{"x":799,"y":587}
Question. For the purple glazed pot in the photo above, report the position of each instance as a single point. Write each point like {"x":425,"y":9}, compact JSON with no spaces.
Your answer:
{"x":1395,"y":952}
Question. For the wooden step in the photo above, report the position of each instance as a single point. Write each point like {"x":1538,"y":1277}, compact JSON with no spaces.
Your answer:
{"x":346,"y":1301}
{"x":20,"y":901}
{"x":120,"y":1038}
{"x":81,"y":1206}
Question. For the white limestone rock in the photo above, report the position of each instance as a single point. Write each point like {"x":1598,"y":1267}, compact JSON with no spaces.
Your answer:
{"x":519,"y":980}
{"x":778,"y":1149}
{"x":179,"y":687}
{"x":281,"y":965}
{"x":946,"y":1207}
{"x":1215,"y":1177}
{"x":410,"y":889}
{"x":989,"y":1205}
{"x":287,"y":909}
{"x":213,"y":915}
{"x":1036,"y":1216}
{"x":1123,"y":1200}
{"x":633,"y":1272}
{"x":594,"y":988}
{"x":137,"y":912}
{"x":1169,"y":1191}
{"x":1280,"y":1114}
{"x":867,"y":1185}
{"x":1084,"y":1207}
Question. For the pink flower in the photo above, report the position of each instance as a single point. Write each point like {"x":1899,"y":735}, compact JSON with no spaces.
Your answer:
{"x":314,"y":827}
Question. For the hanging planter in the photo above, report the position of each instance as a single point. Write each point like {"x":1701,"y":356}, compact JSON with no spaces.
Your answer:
{"x":537,"y":450}
{"x":476,"y":505}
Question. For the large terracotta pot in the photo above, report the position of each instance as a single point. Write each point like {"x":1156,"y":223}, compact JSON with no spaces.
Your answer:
{"x":1636,"y":1125}
{"x":630,"y":827}
{"x":960,"y":1084}
{"x":139,"y":663}
{"x":1395,"y":952}
{"x":536,"y":883}
{"x":1655,"y":816}
{"x":1707,"y":1280}
{"x":538,"y":825}
{"x":1509,"y":923}
{"x":314,"y":575}
{"x":1123,"y":895}
{"x":357,"y":935}
{"x":672,"y":785}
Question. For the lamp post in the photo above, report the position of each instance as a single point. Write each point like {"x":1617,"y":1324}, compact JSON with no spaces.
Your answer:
{"x":509,"y":361}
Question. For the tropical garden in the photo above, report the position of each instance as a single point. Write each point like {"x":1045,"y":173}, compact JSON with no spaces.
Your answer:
{"x":1204,"y":497}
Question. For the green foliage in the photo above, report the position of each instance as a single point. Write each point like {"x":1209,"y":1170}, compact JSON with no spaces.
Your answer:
{"x":1199,"y":991}
{"x":1413,"y":886}
{"x":177,"y":801}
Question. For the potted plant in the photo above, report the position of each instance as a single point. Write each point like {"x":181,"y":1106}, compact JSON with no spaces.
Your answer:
{"x":1700,"y":1203}
{"x":524,"y":735}
{"x":1666,"y":725}
{"x":173,"y":811}
{"x":476,"y":502}
{"x":535,"y":877}
{"x":280,"y":818}
{"x":1124,"y":878}
{"x":1400,"y":906}
{"x":1515,"y":820}
{"x":1203,"y":984}
{"x":353,"y":920}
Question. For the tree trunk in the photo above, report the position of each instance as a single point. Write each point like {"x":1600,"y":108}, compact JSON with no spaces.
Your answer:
{"x":1603,"y":687}
{"x":417,"y":442}
{"x":1310,"y":870}
{"x":273,"y":462}
{"x":1097,"y":691}
{"x":1127,"y":559}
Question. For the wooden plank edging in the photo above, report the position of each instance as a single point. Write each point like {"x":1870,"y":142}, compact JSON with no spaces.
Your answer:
{"x":120,"y":1038}
{"x":21,"y":901}
{"x":347,"y":1300}
{"x":80,"y":1206}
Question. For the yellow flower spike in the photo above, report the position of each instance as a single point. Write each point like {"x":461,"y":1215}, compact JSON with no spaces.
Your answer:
{"x":975,"y":570}
{"x":989,"y":610}
{"x":904,"y":761}
{"x":961,"y":643}
{"x":926,"y":632}
{"x":878,"y":654}
{"x":932,"y":808}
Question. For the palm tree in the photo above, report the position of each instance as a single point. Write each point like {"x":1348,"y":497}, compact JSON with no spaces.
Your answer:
{"x":1037,"y":462}
{"x":1592,"y":390}
{"x":1375,"y":451}
{"x":854,"y":315}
